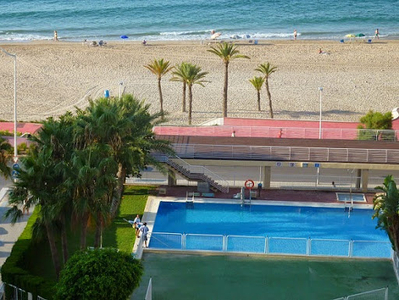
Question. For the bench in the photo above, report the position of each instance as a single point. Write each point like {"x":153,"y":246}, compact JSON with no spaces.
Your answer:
{"x":209,"y":195}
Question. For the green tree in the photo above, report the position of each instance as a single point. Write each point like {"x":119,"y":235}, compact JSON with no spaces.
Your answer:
{"x":179,"y":75}
{"x":5,"y":157}
{"x":267,"y":69}
{"x":41,"y":177}
{"x":386,"y":207}
{"x":190,"y":74}
{"x":376,"y":126}
{"x":257,"y":82}
{"x":227,"y":52}
{"x":99,"y":274}
{"x":159,"y":68}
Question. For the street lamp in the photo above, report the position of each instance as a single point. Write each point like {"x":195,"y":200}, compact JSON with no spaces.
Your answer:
{"x":321,"y":90}
{"x":15,"y":103}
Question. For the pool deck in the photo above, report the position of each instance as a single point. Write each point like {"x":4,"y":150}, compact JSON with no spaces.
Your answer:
{"x":272,"y":194}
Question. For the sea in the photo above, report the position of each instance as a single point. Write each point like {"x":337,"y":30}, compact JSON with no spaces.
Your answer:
{"x":167,"y":20}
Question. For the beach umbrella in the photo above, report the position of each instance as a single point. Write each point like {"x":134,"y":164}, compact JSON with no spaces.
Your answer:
{"x":124,"y":37}
{"x":360,"y":35}
{"x":350,"y":35}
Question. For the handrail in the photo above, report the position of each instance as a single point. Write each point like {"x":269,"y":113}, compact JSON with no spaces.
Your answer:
{"x":286,"y":153}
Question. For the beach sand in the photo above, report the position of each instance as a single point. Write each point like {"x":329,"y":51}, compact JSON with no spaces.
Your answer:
{"x":54,"y":77}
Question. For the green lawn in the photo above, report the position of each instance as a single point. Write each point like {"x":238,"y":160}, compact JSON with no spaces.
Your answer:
{"x":119,"y":234}
{"x":178,"y":277}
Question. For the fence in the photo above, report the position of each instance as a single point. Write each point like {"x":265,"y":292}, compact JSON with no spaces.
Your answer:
{"x":379,"y":294}
{"x":286,"y":153}
{"x":16,"y":293}
{"x":271,"y":245}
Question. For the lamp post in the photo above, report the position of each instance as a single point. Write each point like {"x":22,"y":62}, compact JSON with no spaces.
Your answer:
{"x":15,"y":103}
{"x":321,"y":90}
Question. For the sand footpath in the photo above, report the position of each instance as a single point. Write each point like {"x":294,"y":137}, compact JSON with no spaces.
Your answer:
{"x":54,"y":77}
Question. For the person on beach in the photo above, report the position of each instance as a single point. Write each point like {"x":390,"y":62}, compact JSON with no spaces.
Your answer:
{"x":280,"y":134}
{"x":377,"y":34}
{"x":295,"y":34}
{"x":55,"y":36}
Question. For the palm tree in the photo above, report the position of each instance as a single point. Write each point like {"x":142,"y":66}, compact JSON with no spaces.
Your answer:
{"x":257,"y":82}
{"x":190,"y":75}
{"x":159,"y":68}
{"x":41,"y":180}
{"x":179,"y":75}
{"x":5,"y":157}
{"x":267,"y":69}
{"x":226,"y":52}
{"x":386,"y":207}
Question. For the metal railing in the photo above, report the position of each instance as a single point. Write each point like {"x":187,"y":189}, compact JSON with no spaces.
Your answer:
{"x":271,"y":245}
{"x":285,"y":153}
{"x":273,"y":132}
{"x":378,"y":294}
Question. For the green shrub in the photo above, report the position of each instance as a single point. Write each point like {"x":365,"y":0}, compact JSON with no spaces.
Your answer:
{"x":13,"y":271}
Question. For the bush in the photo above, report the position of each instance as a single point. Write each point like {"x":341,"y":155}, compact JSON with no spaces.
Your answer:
{"x":13,"y":270}
{"x":99,"y":274}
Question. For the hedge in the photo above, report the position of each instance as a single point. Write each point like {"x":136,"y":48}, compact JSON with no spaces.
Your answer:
{"x":13,"y":270}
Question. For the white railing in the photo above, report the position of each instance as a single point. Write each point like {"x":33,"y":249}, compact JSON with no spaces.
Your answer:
{"x":271,"y":245}
{"x":285,"y":153}
{"x":17,"y":293}
{"x":396,"y":265}
{"x":148,"y":294}
{"x":378,"y":294}
{"x":273,"y":132}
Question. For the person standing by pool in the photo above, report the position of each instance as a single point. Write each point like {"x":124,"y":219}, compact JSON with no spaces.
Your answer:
{"x":136,"y":225}
{"x":144,"y":231}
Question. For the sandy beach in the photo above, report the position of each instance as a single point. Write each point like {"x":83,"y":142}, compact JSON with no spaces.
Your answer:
{"x":54,"y":77}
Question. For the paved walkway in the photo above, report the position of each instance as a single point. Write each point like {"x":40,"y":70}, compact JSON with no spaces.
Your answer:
{"x":9,"y":233}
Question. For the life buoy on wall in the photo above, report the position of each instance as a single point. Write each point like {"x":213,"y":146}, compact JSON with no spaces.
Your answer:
{"x":249,"y":184}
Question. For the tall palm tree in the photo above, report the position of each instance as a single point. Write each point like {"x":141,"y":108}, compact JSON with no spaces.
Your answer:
{"x":386,"y":207}
{"x":179,"y":75}
{"x":267,"y":69}
{"x":40,"y":181}
{"x":257,"y":82}
{"x":159,"y":68}
{"x":5,"y":157}
{"x":226,"y":52}
{"x":191,"y":74}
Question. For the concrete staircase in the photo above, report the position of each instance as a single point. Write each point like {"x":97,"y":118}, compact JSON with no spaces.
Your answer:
{"x":196,"y":173}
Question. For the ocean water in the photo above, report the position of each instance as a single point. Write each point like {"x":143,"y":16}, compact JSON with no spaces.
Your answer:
{"x":75,"y":20}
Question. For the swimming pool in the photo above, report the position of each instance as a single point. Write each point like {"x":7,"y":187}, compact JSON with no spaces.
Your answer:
{"x":268,"y":229}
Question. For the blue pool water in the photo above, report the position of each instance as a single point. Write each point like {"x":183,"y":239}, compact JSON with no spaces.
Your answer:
{"x":250,"y":226}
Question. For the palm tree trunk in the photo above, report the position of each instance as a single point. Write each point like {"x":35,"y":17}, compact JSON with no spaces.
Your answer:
{"x":183,"y":106}
{"x":53,"y":249}
{"x":116,"y":200}
{"x":83,"y":230}
{"x":226,"y":83}
{"x":270,"y":98}
{"x":258,"y":100}
{"x":190,"y":103}
{"x":99,"y":225}
{"x":64,"y":240}
{"x":160,"y":95}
